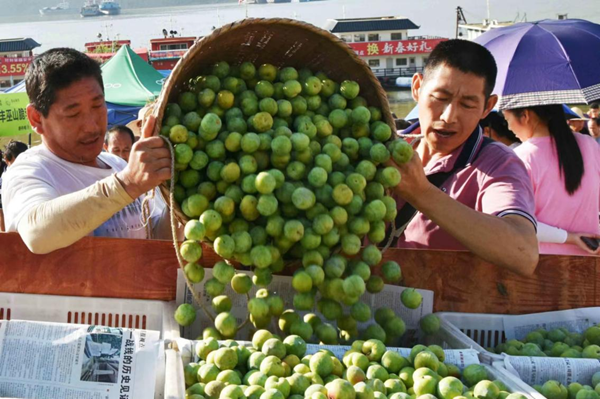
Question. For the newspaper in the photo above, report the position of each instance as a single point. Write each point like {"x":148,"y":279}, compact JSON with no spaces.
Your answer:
{"x":576,"y":320}
{"x":538,"y":370}
{"x":282,"y":286}
{"x":54,"y":360}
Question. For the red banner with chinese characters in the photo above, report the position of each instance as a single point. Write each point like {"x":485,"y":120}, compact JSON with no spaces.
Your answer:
{"x":396,"y":47}
{"x":166,"y":54}
{"x":14,"y":66}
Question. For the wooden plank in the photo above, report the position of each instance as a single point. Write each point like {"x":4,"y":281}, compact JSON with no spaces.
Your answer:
{"x":464,"y":283}
{"x":102,"y":267}
{"x":146,"y":269}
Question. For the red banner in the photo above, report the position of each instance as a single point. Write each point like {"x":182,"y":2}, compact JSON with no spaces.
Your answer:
{"x":166,"y":54}
{"x":14,"y":66}
{"x":396,"y":47}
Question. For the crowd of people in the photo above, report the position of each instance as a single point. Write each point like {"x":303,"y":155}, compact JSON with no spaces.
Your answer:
{"x":505,"y":185}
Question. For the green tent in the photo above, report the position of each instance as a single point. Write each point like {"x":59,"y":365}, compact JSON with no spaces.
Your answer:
{"x":129,"y":80}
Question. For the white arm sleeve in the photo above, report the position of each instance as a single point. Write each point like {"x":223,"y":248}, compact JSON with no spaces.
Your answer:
{"x":63,"y":221}
{"x":551,"y":234}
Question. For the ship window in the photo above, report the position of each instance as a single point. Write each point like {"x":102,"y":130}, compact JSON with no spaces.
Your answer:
{"x":346,"y":38}
{"x":173,"y":46}
{"x":359,"y":37}
{"x":373,"y":63}
{"x":373,"y":37}
{"x":397,"y":36}
{"x":401,"y":62}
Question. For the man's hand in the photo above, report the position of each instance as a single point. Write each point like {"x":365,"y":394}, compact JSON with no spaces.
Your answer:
{"x":149,"y":163}
{"x":414,"y":184}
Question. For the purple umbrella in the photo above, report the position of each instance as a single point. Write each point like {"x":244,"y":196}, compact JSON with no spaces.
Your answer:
{"x":546,"y":62}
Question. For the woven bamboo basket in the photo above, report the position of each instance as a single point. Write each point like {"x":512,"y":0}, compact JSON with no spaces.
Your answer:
{"x":277,"y":41}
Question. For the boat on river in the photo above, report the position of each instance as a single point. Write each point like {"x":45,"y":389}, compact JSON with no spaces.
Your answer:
{"x":60,"y":8}
{"x":110,"y":7}
{"x":90,"y":9}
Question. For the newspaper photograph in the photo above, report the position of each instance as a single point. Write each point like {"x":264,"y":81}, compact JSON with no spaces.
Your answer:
{"x":55,"y":360}
{"x":388,"y":297}
{"x":538,"y":370}
{"x":575,"y":320}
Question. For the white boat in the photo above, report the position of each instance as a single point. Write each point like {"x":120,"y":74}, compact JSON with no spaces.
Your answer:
{"x":61,"y":8}
{"x":404,"y":82}
{"x":90,"y":9}
{"x":110,"y":7}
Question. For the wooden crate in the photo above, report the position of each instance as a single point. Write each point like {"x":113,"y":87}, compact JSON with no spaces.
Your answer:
{"x":146,"y":269}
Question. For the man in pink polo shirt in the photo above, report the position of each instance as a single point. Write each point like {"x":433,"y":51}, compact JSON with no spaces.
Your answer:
{"x":484,"y":202}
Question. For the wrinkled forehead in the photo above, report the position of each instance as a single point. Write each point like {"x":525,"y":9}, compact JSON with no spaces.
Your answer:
{"x":86,"y":90}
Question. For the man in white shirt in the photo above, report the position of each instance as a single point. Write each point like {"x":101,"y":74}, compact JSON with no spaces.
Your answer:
{"x":67,"y":188}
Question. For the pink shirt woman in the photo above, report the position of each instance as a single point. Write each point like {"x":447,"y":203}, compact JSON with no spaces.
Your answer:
{"x":564,"y":168}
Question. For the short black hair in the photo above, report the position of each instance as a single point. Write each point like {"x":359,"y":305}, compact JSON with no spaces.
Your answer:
{"x":495,"y":120}
{"x":119,"y":129}
{"x":54,"y":70}
{"x":595,"y":105}
{"x":467,"y":57}
{"x":13,"y":149}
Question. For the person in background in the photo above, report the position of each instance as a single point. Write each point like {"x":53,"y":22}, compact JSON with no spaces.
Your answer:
{"x":119,"y":140}
{"x":12,"y":150}
{"x":578,"y":125}
{"x":594,"y":128}
{"x":2,"y":164}
{"x":495,"y":127}
{"x":564,"y":168}
{"x":594,"y":111}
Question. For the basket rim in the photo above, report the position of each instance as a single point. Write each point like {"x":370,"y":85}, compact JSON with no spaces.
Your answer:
{"x":162,"y":100}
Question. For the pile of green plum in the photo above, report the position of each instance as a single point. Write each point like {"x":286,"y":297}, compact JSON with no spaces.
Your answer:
{"x":555,"y":390}
{"x":276,"y":166}
{"x":272,"y":368}
{"x":559,"y":342}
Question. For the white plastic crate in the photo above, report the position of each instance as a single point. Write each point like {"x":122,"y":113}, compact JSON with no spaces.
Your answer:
{"x":472,"y":330}
{"x":112,"y":312}
{"x":514,"y":384}
{"x":480,"y":331}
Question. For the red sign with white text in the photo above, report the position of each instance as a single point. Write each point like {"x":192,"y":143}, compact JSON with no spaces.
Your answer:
{"x":396,"y":47}
{"x":14,"y":66}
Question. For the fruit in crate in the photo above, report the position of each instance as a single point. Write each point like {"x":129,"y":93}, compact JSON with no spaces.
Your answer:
{"x":559,"y":342}
{"x":271,"y":368}
{"x":276,"y":165}
{"x":589,"y":389}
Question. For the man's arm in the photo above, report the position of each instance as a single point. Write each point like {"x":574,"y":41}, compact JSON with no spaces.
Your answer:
{"x":62,"y":221}
{"x":508,"y":241}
